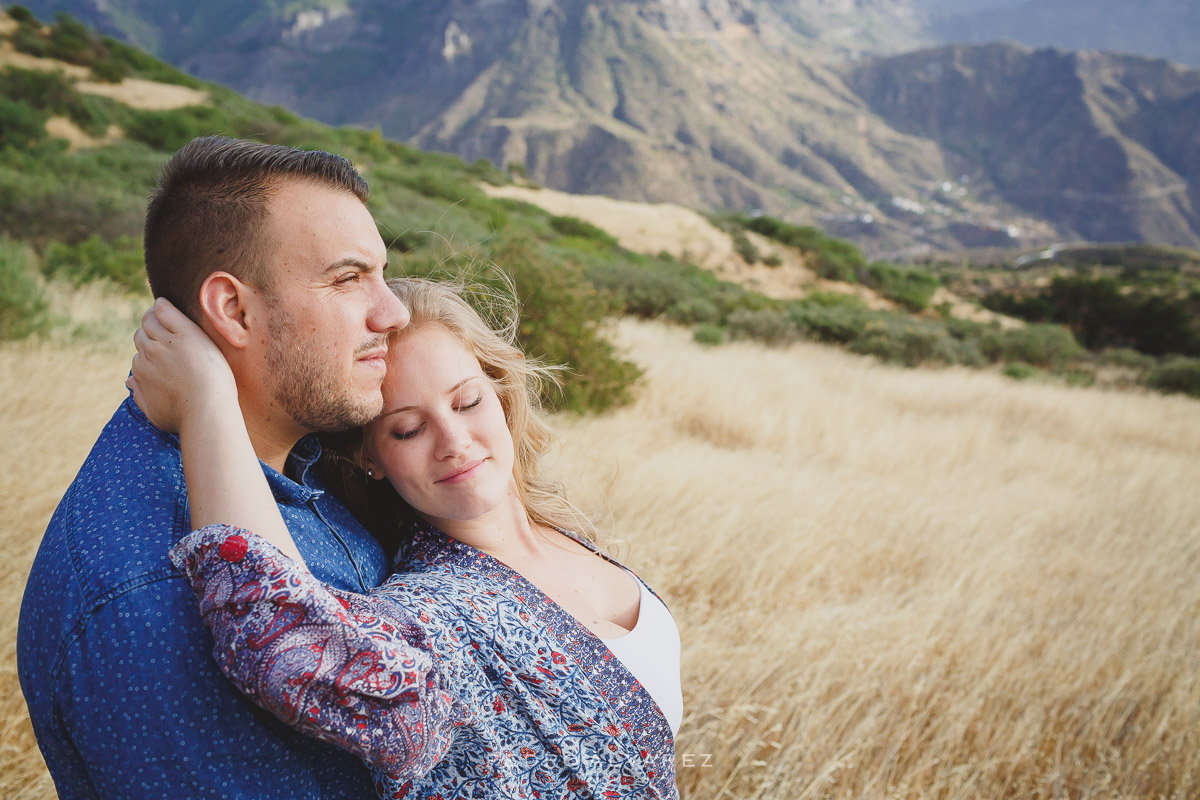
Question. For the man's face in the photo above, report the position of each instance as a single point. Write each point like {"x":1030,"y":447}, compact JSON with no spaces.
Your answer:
{"x":329,"y":310}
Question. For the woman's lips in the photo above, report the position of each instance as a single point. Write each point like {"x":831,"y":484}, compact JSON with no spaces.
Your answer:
{"x":461,"y":474}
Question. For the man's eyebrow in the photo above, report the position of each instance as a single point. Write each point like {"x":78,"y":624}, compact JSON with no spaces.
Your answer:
{"x":451,"y":390}
{"x":351,"y":261}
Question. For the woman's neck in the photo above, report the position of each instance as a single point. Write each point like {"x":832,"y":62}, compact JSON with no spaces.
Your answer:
{"x":505,"y":533}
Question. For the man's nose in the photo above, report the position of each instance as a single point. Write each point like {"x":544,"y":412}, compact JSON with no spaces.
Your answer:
{"x":388,"y":312}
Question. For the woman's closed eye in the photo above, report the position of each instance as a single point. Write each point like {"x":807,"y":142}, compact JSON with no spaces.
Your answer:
{"x":409,"y":433}
{"x":468,"y":406}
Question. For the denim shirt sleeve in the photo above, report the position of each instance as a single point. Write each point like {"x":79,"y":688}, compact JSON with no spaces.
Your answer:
{"x":114,"y":659}
{"x":158,"y":720}
{"x":323,"y":662}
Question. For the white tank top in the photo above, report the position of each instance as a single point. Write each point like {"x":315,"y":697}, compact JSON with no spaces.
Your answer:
{"x":651,"y":654}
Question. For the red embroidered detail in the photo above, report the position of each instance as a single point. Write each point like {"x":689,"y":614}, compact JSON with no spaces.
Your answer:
{"x":233,"y":549}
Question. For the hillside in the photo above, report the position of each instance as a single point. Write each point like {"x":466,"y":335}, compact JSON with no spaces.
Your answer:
{"x":88,"y":121}
{"x":1104,"y":145}
{"x":739,"y":106}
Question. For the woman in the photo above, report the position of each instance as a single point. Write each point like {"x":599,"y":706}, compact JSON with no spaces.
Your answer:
{"x":504,"y":657}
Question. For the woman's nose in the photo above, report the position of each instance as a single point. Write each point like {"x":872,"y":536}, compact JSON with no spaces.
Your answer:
{"x":453,"y":438}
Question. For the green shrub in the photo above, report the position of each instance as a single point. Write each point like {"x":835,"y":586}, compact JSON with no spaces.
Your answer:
{"x":169,"y":130}
{"x":71,"y":41}
{"x":833,"y":259}
{"x":773,"y":260}
{"x":709,"y":335}
{"x":694,"y":310}
{"x":51,"y":92}
{"x":1127,"y":358}
{"x":745,"y":248}
{"x":836,"y":324}
{"x":766,"y":325}
{"x":24,"y":309}
{"x":29,"y":40}
{"x":94,"y":258}
{"x":832,"y":300}
{"x":147,"y":66}
{"x":21,"y":126}
{"x":110,"y":70}
{"x":1019,"y":371}
{"x":911,"y":288}
{"x":21,"y":14}
{"x":1176,"y":375}
{"x":574,"y":226}
{"x":899,"y":340}
{"x":561,"y":320}
{"x":1039,"y":344}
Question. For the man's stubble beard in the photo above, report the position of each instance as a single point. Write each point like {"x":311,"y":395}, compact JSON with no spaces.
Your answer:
{"x":312,"y":393}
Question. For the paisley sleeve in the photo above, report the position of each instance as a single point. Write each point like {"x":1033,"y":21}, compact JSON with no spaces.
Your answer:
{"x":342,"y":667}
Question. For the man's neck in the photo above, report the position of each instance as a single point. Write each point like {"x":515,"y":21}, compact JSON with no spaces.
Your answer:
{"x":272,"y":435}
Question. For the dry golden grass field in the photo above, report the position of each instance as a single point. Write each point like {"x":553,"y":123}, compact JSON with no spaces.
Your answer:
{"x":890,"y":584}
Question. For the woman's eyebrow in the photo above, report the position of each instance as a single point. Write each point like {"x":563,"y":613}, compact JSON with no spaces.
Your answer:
{"x":451,"y":390}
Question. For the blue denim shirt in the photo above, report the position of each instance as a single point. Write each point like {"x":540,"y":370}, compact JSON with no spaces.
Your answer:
{"x":114,"y":662}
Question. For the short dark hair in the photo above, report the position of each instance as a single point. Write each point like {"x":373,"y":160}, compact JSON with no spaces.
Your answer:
{"x":208,"y":212}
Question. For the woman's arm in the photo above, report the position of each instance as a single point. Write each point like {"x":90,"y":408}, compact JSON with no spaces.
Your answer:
{"x":182,"y":383}
{"x":350,"y":669}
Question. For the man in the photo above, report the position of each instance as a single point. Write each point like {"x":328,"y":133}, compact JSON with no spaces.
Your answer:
{"x":273,"y":252}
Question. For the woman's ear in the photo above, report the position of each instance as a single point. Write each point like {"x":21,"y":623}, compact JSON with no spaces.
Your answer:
{"x":224,"y":304}
{"x":370,"y":467}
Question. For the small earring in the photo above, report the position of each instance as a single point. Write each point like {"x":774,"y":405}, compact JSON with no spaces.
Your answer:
{"x":370,"y":472}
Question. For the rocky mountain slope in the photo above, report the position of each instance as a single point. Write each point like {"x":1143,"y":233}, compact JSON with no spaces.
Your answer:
{"x":1103,"y":145}
{"x":730,"y":104}
{"x":1164,"y":28}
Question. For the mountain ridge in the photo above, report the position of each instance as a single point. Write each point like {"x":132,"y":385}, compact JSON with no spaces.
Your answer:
{"x":724,"y":104}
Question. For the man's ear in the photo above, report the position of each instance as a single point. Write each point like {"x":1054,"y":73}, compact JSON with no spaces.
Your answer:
{"x":225,"y":303}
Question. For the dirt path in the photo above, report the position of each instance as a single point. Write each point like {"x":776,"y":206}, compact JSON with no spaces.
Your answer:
{"x":146,"y":95}
{"x":653,"y":228}
{"x":133,"y":92}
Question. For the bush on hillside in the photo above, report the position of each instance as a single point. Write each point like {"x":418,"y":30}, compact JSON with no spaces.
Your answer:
{"x":574,"y":226}
{"x":21,"y":14}
{"x":119,"y":261}
{"x":745,"y":248}
{"x":911,"y":288}
{"x":24,"y":309}
{"x":169,"y":130}
{"x":709,"y":335}
{"x":767,"y":325}
{"x":1176,"y":375}
{"x":561,"y":320}
{"x":831,"y":324}
{"x":22,"y":127}
{"x":51,"y":92}
{"x":833,"y":259}
{"x":1040,"y":344}
{"x":1107,"y":313}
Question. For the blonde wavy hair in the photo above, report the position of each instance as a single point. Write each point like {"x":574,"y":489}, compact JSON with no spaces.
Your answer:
{"x":519,"y":382}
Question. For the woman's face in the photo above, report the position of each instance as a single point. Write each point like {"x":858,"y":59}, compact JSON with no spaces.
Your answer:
{"x":442,"y":439}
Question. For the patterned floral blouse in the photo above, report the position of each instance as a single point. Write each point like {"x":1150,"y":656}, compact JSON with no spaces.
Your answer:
{"x":455,"y":678}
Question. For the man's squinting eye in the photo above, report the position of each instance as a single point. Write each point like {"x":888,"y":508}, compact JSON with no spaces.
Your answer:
{"x":349,"y":277}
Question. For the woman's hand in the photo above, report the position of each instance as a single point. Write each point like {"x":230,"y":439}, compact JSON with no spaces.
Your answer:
{"x":178,"y":373}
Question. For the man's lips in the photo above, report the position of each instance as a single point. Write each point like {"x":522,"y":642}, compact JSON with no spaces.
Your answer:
{"x":461,"y":474}
{"x":374,"y":358}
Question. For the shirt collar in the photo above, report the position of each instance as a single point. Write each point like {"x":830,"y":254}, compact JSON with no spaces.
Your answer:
{"x":299,"y":463}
